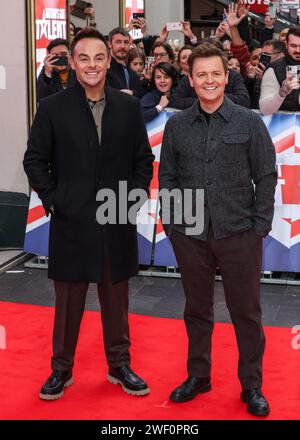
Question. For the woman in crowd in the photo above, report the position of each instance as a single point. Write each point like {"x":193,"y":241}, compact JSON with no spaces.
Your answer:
{"x":234,"y":64}
{"x":183,"y":57}
{"x":164,"y":79}
{"x":136,"y":61}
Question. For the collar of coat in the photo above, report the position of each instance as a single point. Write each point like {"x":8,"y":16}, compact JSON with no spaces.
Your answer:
{"x":82,"y":95}
{"x":225,"y":111}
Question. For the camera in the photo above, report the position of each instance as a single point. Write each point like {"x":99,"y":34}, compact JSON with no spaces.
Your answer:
{"x":136,"y":15}
{"x":61,"y":61}
{"x":79,"y":8}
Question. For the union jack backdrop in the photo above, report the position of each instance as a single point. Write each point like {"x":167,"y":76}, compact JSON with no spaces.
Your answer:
{"x":281,"y":247}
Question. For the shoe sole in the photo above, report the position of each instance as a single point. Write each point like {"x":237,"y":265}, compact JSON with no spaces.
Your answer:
{"x":115,"y":381}
{"x":203,"y":390}
{"x":59,"y":395}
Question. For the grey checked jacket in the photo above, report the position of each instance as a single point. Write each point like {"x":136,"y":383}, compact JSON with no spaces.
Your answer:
{"x":233,"y":160}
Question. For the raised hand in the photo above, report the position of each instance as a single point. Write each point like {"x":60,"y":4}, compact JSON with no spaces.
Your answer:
{"x":232,"y":17}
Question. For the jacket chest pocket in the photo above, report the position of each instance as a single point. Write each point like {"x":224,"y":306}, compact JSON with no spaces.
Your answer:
{"x":233,"y":149}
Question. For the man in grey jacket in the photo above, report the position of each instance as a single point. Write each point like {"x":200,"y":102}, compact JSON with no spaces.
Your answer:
{"x":226,"y":150}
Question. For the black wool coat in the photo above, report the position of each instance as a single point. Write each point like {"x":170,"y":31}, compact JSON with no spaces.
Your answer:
{"x":67,"y":166}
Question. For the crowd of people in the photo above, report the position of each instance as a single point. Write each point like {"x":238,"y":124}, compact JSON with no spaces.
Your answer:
{"x":155,"y":69}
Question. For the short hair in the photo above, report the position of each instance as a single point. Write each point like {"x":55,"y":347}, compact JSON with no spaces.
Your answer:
{"x":116,"y":31}
{"x":278,"y":45}
{"x":168,"y":69}
{"x":88,"y":32}
{"x":293,"y":31}
{"x":206,"y":50}
{"x":134,"y":53}
{"x":212,"y":40}
{"x":58,"y":42}
{"x":167,"y":48}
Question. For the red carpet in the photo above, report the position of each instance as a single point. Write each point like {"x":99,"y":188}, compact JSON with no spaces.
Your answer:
{"x":158,"y":354}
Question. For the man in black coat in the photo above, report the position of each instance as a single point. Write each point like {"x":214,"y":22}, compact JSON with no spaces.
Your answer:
{"x":119,"y":75}
{"x":185,"y":96}
{"x":100,"y":143}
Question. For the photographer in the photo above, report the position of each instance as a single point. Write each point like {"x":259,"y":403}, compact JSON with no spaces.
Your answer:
{"x":56,"y":74}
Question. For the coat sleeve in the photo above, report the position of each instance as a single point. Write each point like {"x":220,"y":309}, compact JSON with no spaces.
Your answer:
{"x":182,"y":97}
{"x":264,"y":175}
{"x":148,"y":104}
{"x":168,"y":172}
{"x":44,"y":86}
{"x":238,"y":92}
{"x":143,"y":157}
{"x":38,"y":158}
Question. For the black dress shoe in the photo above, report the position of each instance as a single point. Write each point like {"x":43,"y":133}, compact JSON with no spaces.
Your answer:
{"x":190,"y":388}
{"x":131,"y":382}
{"x":54,"y":386}
{"x":257,"y":403}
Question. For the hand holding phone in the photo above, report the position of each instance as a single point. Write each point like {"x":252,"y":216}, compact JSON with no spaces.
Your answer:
{"x":175,"y":26}
{"x":265,"y":59}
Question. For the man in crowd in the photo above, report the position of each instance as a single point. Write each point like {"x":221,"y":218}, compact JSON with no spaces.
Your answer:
{"x":280,"y":90}
{"x":225,"y":150}
{"x":68,"y":160}
{"x":56,"y":74}
{"x":119,"y":75}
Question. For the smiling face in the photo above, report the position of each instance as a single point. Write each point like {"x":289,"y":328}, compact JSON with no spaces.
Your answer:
{"x":209,"y":80}
{"x":90,"y":61}
{"x":163,"y":82}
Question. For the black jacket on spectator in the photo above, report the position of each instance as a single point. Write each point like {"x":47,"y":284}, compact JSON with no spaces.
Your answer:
{"x":116,"y":78}
{"x":48,"y":86}
{"x":184,"y":96}
{"x":291,"y":102}
{"x":148,"y":104}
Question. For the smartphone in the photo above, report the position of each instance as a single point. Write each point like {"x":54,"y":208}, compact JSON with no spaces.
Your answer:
{"x":176,"y":26}
{"x":61,"y":61}
{"x":272,"y":10}
{"x":136,"y":15}
{"x":149,"y":62}
{"x":224,"y":18}
{"x":265,"y":59}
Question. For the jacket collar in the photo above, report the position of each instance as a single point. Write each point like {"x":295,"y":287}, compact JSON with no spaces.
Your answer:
{"x":80,"y":92}
{"x":225,"y":111}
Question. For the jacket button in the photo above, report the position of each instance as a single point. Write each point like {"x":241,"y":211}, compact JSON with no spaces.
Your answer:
{"x":208,"y":161}
{"x":208,"y":182}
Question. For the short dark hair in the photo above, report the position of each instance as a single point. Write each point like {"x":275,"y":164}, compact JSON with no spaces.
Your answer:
{"x":58,"y":42}
{"x":212,"y":40}
{"x":88,"y":32}
{"x":293,"y":31}
{"x":167,"y":48}
{"x":206,"y":50}
{"x":116,"y":31}
{"x":168,"y":69}
{"x":277,"y":45}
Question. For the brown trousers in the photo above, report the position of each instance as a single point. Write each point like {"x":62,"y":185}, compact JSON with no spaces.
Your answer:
{"x":69,"y":309}
{"x":239,"y":258}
